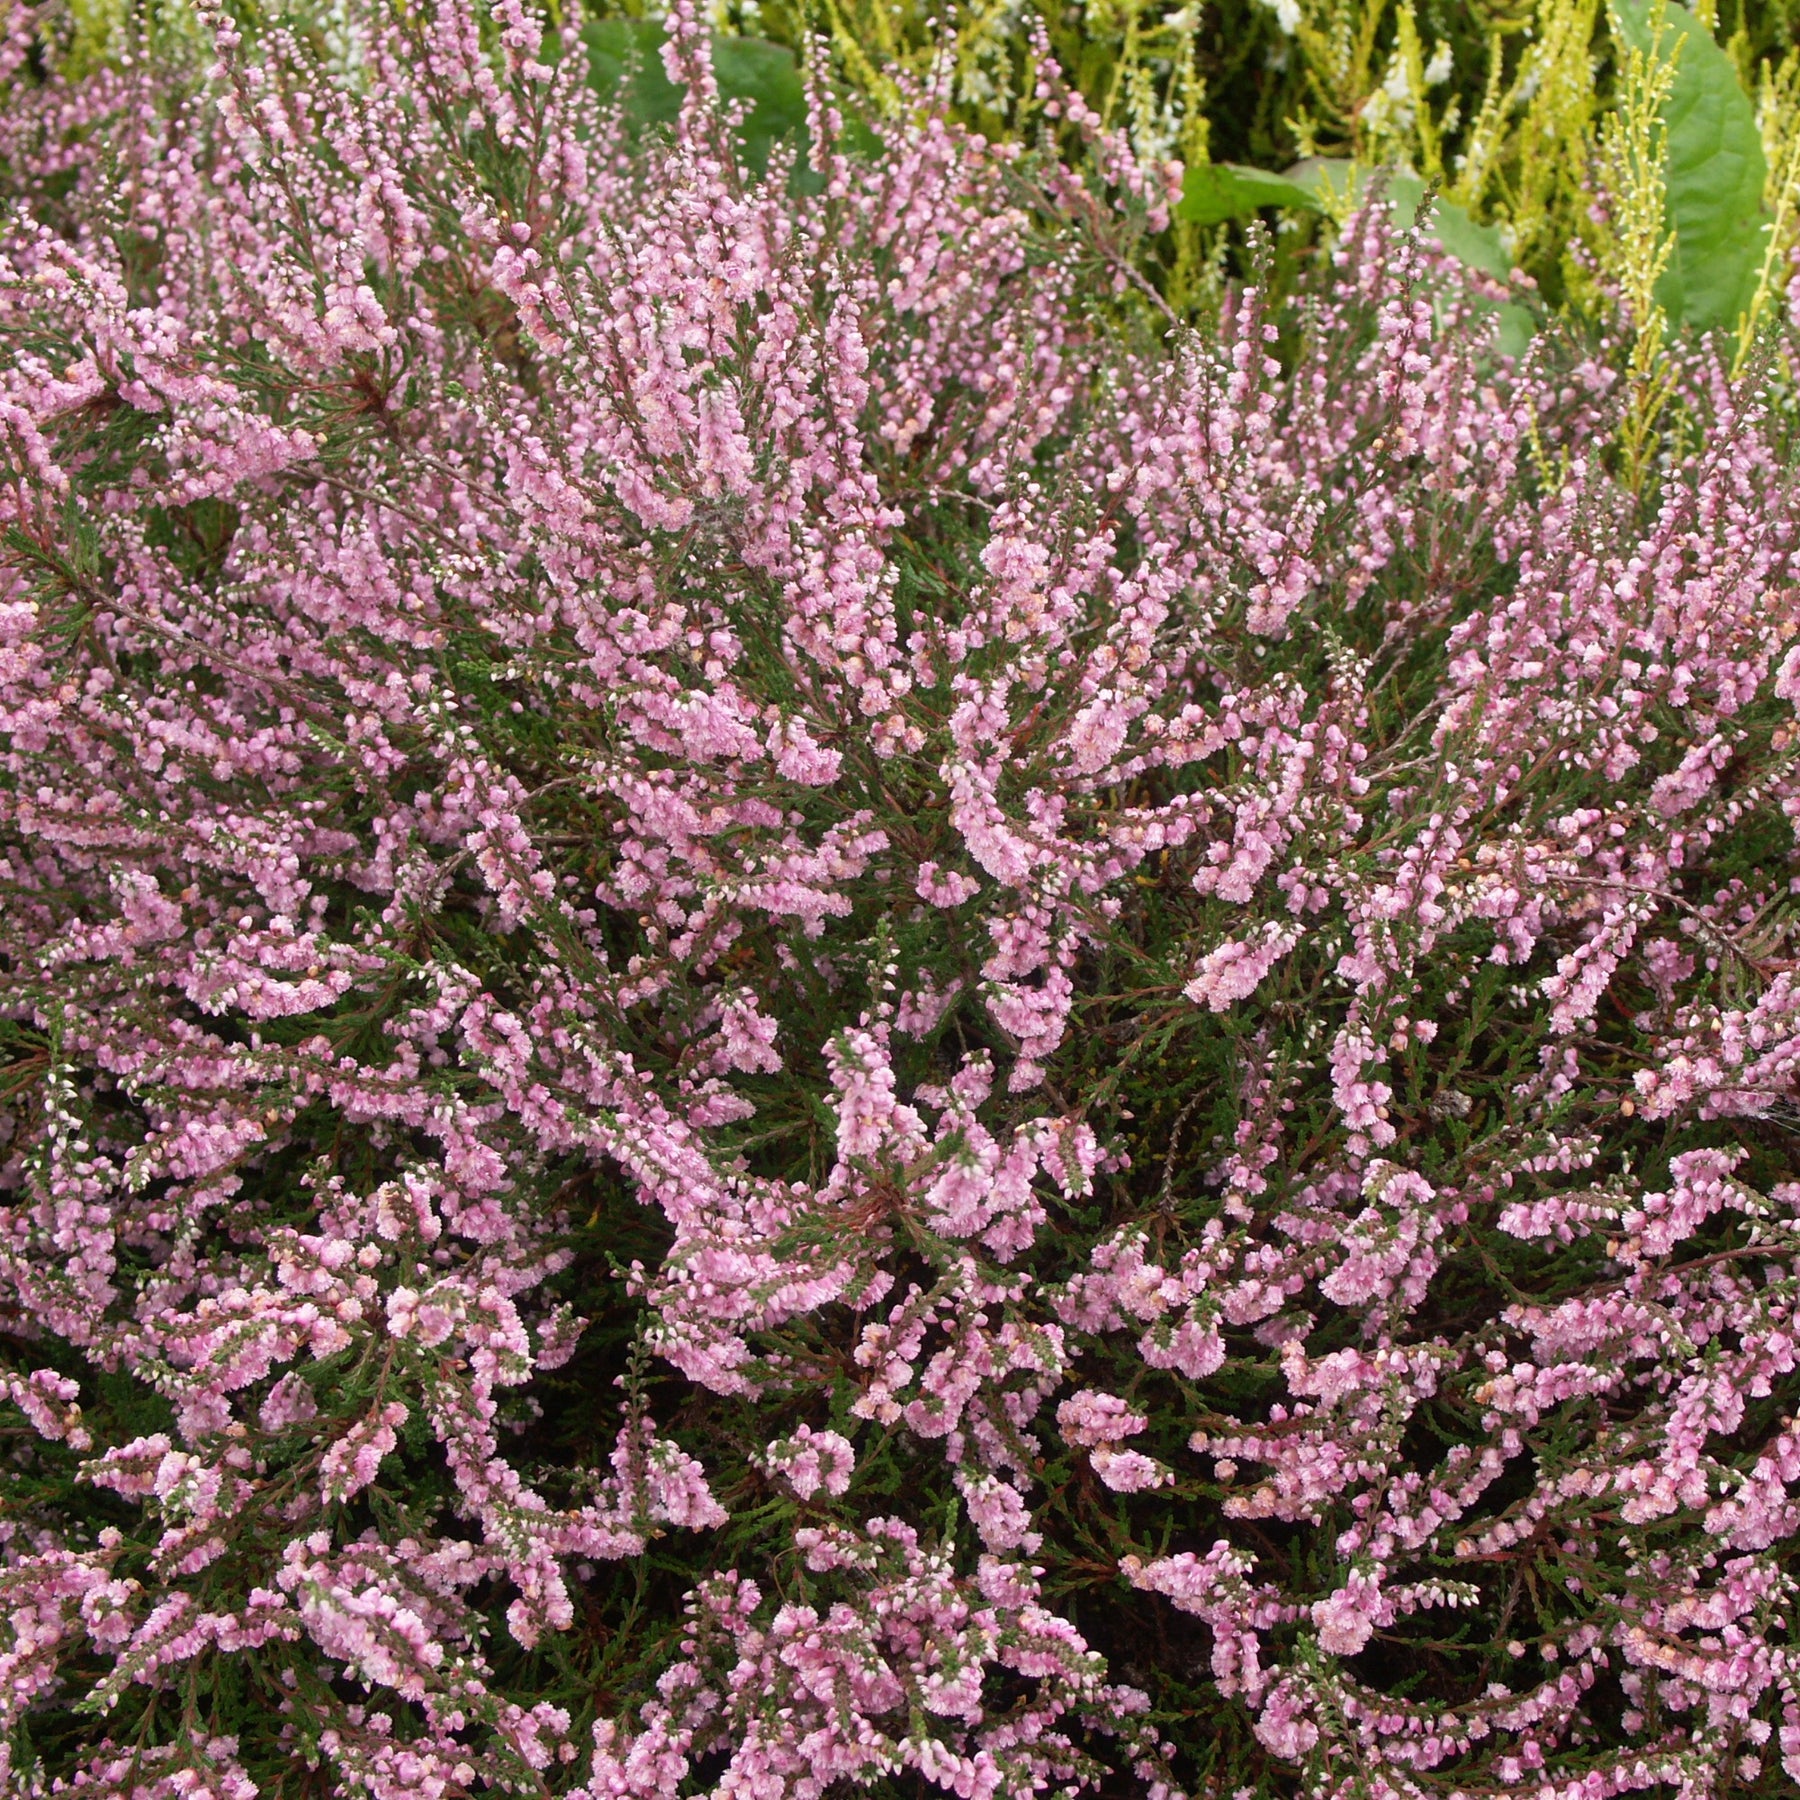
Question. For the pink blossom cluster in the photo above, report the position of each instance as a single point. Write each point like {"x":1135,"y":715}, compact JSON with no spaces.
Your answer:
{"x":788,"y":1003}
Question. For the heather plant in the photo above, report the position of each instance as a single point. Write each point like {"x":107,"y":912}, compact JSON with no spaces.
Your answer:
{"x":1281,"y":106}
{"x":790,"y":1007}
{"x":1510,"y":114}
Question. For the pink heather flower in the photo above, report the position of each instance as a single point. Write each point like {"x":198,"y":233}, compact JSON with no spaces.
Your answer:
{"x":811,"y":1460}
{"x":47,"y":1400}
{"x":1088,"y":1418}
{"x":290,"y":1402}
{"x":1128,"y":1471}
{"x":1232,"y":972}
{"x":353,"y":1460}
{"x":1346,"y":1619}
{"x":999,"y":1513}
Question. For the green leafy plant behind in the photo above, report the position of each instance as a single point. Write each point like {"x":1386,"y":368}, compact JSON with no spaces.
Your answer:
{"x":626,"y":58}
{"x":1501,"y":105}
{"x":1214,"y":192}
{"x":1715,"y":174}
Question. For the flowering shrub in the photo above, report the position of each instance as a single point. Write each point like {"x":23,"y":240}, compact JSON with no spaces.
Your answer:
{"x":783,"y":1013}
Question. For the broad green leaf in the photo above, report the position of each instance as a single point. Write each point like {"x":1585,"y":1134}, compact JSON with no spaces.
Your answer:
{"x":1715,"y":172}
{"x":1339,"y":186}
{"x":1212,"y":192}
{"x":629,"y":51}
{"x":1476,"y":246}
{"x":764,"y":74}
{"x":1335,"y":183}
{"x":1514,"y":329}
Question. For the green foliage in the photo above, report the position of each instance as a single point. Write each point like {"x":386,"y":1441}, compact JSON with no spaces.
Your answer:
{"x":1336,"y":186}
{"x":627,"y":54}
{"x":1475,"y":245}
{"x":1715,"y":175}
{"x":1213,"y":192}
{"x":1503,"y":106}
